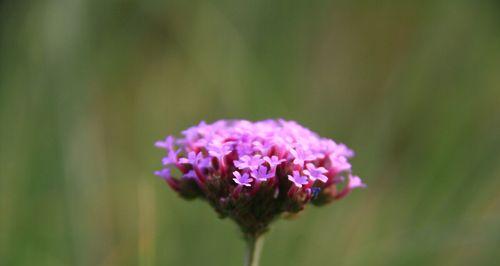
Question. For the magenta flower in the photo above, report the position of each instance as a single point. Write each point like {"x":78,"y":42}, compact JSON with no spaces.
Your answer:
{"x":243,"y":180}
{"x":247,"y":162}
{"x":205,"y":162}
{"x":193,"y":158}
{"x":355,"y":182}
{"x":252,"y":172}
{"x":218,"y":150}
{"x":339,"y":162}
{"x":300,"y":156}
{"x":262,"y":174}
{"x":190,"y":174}
{"x":273,"y":161}
{"x":263,"y":148}
{"x":298,"y":179}
{"x":164,"y":173}
{"x":168,"y":143}
{"x":171,"y":157}
{"x":352,"y":183}
{"x":316,"y":173}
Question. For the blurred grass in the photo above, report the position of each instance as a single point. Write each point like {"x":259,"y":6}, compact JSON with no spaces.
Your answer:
{"x":87,"y":86}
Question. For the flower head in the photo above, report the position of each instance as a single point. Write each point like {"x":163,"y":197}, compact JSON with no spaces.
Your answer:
{"x":254,"y":171}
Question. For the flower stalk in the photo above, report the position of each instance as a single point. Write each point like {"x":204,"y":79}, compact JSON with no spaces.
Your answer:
{"x":254,"y":249}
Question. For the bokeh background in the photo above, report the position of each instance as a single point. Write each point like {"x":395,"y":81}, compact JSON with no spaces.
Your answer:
{"x":87,"y":86}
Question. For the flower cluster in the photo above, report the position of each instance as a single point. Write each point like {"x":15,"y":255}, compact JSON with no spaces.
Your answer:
{"x":254,"y":171}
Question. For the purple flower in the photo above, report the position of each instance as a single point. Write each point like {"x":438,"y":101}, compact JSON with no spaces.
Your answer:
{"x":262,"y":147}
{"x":298,"y":179}
{"x":168,"y":143}
{"x":164,"y":173}
{"x":300,"y":156}
{"x":171,"y":158}
{"x":343,"y":150}
{"x":193,"y":132}
{"x":232,"y":164}
{"x":205,"y":162}
{"x":190,"y":174}
{"x":247,"y":162}
{"x":242,"y":180}
{"x":219,"y":150}
{"x":355,"y":182}
{"x":273,"y":161}
{"x":339,"y":163}
{"x":261,"y":174}
{"x":193,"y":158}
{"x":316,"y":172}
{"x":244,"y":148}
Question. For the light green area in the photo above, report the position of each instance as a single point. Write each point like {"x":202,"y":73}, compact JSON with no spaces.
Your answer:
{"x":87,"y":86}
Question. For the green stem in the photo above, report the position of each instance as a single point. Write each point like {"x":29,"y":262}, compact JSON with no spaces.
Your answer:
{"x":254,"y":248}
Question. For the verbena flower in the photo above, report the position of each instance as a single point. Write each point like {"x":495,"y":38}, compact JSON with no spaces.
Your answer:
{"x":316,"y":173}
{"x":243,"y":180}
{"x":254,"y":171}
{"x":262,"y":174}
{"x":298,"y":179}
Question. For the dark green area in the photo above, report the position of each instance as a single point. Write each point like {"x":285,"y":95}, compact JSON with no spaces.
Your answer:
{"x":87,"y":86}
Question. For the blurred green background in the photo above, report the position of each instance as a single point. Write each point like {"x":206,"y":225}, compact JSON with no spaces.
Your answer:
{"x":87,"y":86}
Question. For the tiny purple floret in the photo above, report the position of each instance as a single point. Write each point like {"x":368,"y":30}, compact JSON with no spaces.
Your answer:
{"x":242,"y":180}
{"x":164,"y":173}
{"x":247,"y":162}
{"x":262,"y":174}
{"x":298,"y":179}
{"x":171,"y":158}
{"x":219,"y":150}
{"x":300,"y":156}
{"x":168,"y":143}
{"x":355,"y":182}
{"x":193,"y":158}
{"x":273,"y":161}
{"x":316,"y":173}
